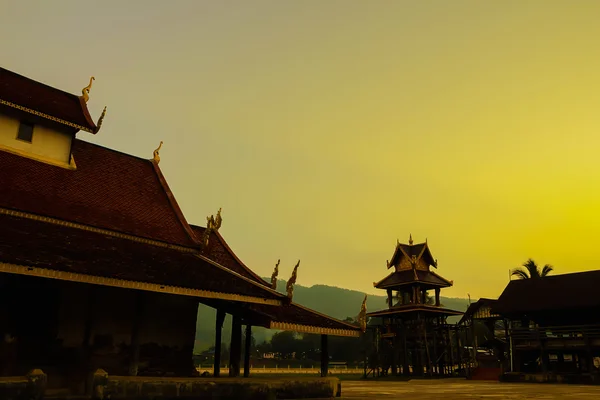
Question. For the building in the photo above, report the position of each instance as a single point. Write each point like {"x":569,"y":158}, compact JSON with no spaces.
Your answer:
{"x":413,"y":337}
{"x":485,"y":335}
{"x":554,"y":328}
{"x":99,"y":268}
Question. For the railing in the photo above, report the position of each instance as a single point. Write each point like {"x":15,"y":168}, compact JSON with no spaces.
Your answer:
{"x":557,"y":332}
{"x":287,"y":370}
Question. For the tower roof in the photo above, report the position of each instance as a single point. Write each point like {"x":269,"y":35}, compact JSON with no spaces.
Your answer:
{"x":417,"y":251}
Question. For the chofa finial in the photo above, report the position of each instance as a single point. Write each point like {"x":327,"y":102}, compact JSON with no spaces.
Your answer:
{"x":362,"y":316}
{"x":274,"y":276}
{"x":410,"y":241}
{"x":100,"y":120}
{"x":85,"y":92}
{"x":289,"y":287}
{"x":156,"y":155}
{"x":212,"y":225}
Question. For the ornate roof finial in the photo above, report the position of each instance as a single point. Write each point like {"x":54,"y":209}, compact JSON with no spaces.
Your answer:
{"x":410,"y":241}
{"x":212,"y":223}
{"x":217,"y":221}
{"x":274,"y":276}
{"x":85,"y":92}
{"x":156,"y":155}
{"x":362,"y":316}
{"x":289,"y":287}
{"x":100,"y":120}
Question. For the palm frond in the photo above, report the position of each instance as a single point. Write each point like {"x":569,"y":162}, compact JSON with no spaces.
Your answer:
{"x":520,"y":273}
{"x":532,"y":268}
{"x":546,"y":270}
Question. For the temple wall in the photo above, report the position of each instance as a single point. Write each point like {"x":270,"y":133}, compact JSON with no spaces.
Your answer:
{"x":46,"y":144}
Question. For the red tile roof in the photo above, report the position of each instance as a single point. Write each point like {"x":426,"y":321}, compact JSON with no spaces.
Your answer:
{"x":17,"y":90}
{"x":218,"y":251}
{"x":300,"y":315}
{"x":109,"y":190}
{"x":38,"y":244}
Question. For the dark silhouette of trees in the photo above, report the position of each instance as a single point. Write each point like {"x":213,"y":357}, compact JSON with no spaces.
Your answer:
{"x":530,"y":270}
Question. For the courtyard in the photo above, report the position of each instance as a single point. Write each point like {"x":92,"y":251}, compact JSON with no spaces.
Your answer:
{"x":455,"y":389}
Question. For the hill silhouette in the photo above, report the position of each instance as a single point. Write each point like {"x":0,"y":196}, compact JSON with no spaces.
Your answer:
{"x":333,"y":301}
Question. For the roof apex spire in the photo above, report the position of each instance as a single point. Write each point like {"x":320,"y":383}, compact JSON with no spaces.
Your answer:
{"x":410,"y":241}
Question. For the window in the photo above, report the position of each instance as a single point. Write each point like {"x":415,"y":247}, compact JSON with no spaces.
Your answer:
{"x":25,"y":132}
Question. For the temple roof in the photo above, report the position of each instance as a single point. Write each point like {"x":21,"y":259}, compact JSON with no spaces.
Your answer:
{"x":411,"y":276}
{"x":418,"y":251}
{"x":551,"y":293}
{"x":51,"y":250}
{"x":297,"y":318}
{"x":27,"y":95}
{"x":413,"y":309}
{"x":219,"y":251}
{"x":109,"y":190}
{"x":474,"y":307}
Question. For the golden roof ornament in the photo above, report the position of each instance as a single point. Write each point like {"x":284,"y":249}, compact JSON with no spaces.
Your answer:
{"x":274,"y":276}
{"x":362,"y":315}
{"x":155,"y":153}
{"x":289,"y":287}
{"x":410,"y":241}
{"x":100,"y":120}
{"x":85,"y":92}
{"x":212,"y":225}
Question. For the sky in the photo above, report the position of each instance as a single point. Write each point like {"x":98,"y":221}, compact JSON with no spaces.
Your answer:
{"x":329,"y":129}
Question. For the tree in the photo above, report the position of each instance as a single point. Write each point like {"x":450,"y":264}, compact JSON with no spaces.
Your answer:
{"x":530,"y":270}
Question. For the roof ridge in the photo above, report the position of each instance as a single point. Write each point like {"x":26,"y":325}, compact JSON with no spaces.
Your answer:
{"x":228,"y":248}
{"x":173,"y":203}
{"x":111,"y":150}
{"x":238,"y":275}
{"x":39,"y":83}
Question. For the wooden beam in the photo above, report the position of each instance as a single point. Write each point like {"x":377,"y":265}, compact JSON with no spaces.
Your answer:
{"x":235,"y":347}
{"x":218,"y":339}
{"x":126,"y":284}
{"x":324,"y":356}
{"x":247,"y":351}
{"x":135,"y":332}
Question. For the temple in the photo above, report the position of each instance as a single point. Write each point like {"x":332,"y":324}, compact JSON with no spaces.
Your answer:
{"x":552,"y":327}
{"x":99,"y":269}
{"x":412,"y":334}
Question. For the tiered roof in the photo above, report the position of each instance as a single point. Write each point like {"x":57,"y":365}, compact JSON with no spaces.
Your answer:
{"x":109,"y":190}
{"x":52,"y":249}
{"x":40,"y":100}
{"x":114,"y":221}
{"x":412,"y":267}
{"x":412,"y":264}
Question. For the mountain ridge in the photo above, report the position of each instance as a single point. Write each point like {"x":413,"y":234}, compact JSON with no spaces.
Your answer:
{"x":333,"y":301}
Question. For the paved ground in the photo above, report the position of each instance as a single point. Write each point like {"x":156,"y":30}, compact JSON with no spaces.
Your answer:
{"x":459,"y":389}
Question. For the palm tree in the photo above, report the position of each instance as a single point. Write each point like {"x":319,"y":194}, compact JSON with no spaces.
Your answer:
{"x":530,"y":270}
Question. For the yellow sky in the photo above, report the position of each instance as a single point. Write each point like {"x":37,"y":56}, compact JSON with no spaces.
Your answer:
{"x":328,"y":129}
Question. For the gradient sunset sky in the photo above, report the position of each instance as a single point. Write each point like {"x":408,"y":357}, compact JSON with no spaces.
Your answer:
{"x":328,"y":129}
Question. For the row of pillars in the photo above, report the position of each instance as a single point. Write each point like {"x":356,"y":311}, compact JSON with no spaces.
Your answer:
{"x":416,"y":295}
{"x":235,"y":348}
